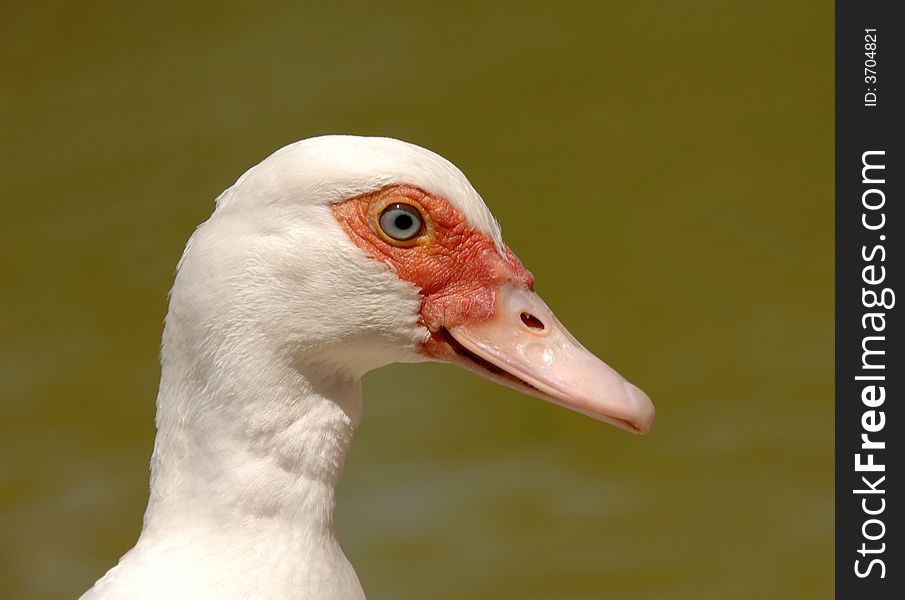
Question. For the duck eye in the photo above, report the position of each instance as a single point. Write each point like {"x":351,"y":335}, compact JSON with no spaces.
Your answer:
{"x":401,"y":221}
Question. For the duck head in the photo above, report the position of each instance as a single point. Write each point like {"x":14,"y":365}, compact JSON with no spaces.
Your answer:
{"x":341,"y":254}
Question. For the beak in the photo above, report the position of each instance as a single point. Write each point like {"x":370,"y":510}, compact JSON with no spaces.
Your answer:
{"x":525,"y":347}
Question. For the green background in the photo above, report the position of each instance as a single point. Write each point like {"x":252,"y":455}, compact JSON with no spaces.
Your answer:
{"x":665,"y":170}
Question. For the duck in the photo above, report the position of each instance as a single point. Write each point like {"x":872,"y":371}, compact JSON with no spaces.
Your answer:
{"x":334,"y":256}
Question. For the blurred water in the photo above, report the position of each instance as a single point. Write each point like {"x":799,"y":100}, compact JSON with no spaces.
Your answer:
{"x":664,"y":168}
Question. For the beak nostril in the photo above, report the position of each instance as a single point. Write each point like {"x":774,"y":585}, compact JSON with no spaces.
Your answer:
{"x":532,"y":322}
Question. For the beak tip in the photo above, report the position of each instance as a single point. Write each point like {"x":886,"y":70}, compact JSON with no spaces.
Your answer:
{"x":645,"y":413}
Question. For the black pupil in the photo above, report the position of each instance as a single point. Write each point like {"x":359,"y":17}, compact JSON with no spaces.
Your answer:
{"x":403,"y":221}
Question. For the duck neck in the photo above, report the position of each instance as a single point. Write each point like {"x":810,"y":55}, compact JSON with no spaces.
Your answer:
{"x":256,"y":444}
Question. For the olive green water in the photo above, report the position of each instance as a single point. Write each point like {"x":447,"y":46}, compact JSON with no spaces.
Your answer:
{"x":665,"y":170}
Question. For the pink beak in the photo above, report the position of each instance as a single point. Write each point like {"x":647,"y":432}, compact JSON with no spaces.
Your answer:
{"x":525,"y":347}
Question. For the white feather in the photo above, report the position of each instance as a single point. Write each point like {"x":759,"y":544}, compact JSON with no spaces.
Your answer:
{"x":331,"y":168}
{"x":274,"y":317}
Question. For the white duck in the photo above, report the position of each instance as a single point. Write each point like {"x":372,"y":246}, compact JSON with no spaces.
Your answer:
{"x":334,"y":256}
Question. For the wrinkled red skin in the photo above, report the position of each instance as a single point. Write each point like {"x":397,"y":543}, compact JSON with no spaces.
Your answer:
{"x":456,"y":267}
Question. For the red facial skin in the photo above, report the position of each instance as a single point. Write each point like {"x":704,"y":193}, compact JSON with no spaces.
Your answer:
{"x":456,"y":267}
